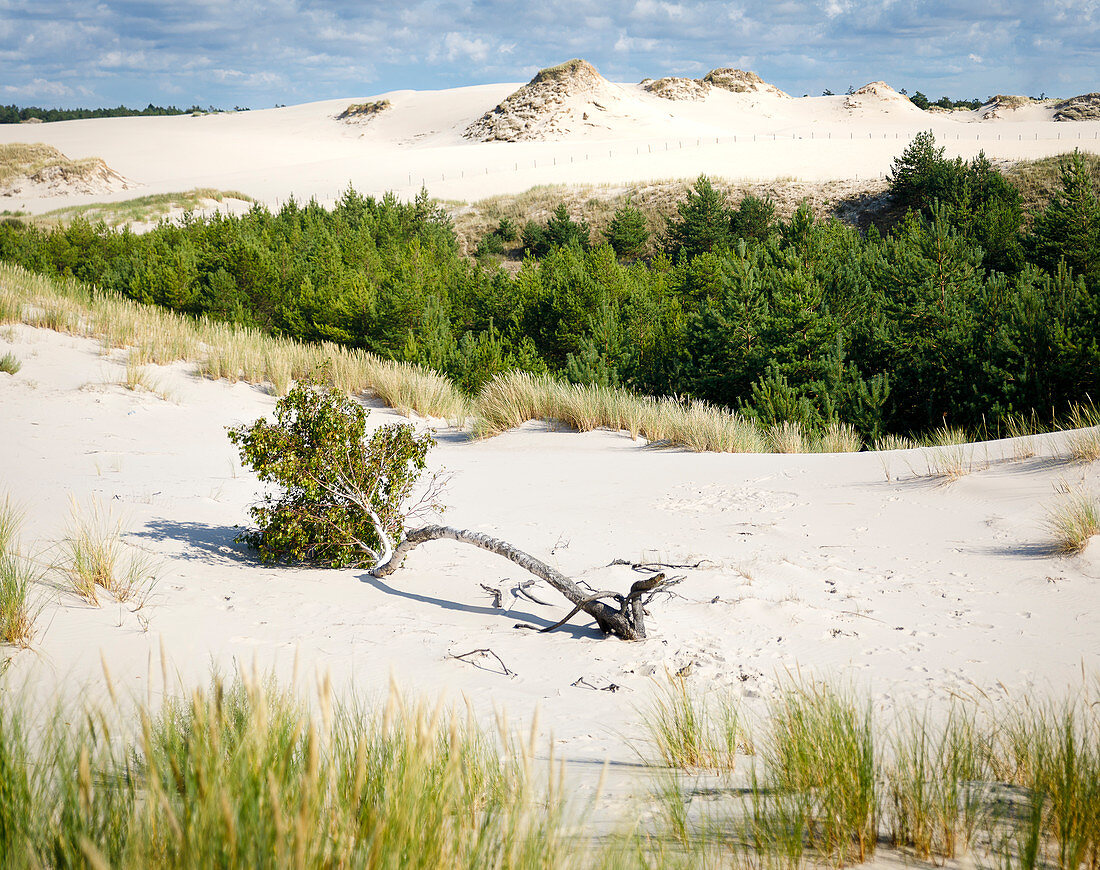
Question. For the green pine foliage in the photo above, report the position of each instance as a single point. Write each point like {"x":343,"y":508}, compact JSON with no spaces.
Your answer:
{"x":628,"y":233}
{"x":329,"y":478}
{"x":955,"y":316}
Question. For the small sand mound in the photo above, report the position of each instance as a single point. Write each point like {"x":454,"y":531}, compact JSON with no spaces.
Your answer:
{"x":558,"y":100}
{"x":37,"y":169}
{"x":1084,"y":107}
{"x":675,"y":88}
{"x":878,"y":95}
{"x":740,"y":81}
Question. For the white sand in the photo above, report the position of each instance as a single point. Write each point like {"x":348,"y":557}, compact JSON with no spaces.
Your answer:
{"x":912,"y":588}
{"x":636,"y":136}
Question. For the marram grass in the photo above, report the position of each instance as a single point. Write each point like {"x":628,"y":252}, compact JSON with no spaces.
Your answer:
{"x":243,"y":775}
{"x":995,"y":783}
{"x":1073,"y":522}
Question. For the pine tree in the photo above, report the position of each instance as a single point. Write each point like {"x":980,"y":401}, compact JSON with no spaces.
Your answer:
{"x":1069,"y":229}
{"x":703,"y":223}
{"x":627,"y":233}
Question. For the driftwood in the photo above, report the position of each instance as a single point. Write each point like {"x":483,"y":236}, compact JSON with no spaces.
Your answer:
{"x":626,"y":621}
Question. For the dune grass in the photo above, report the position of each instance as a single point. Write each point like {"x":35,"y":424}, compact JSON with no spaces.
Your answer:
{"x":94,"y":557}
{"x":1073,"y":522}
{"x":10,"y":363}
{"x":141,"y":209}
{"x":1006,"y":784}
{"x":17,"y":576}
{"x":685,"y":731}
{"x":244,"y":775}
{"x":1084,"y":442}
{"x":28,"y":158}
{"x":234,"y":353}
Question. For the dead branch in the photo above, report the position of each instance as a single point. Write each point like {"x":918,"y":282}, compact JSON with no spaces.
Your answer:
{"x":508,"y":672}
{"x":649,"y":567}
{"x":521,"y":589}
{"x":497,"y":598}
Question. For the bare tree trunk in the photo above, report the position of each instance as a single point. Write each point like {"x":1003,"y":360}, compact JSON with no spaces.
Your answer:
{"x":627,"y":621}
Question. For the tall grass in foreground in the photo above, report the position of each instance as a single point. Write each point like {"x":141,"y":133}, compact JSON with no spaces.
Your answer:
{"x":242,"y":775}
{"x":686,"y":733}
{"x":1012,"y":784}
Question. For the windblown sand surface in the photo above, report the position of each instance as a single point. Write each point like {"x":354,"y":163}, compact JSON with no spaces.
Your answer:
{"x":581,"y":129}
{"x":851,"y":567}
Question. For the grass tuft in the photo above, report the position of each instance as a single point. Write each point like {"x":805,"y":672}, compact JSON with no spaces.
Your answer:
{"x":17,"y":575}
{"x":1073,"y":522}
{"x":1084,"y":442}
{"x":688,"y":734}
{"x":9,"y":363}
{"x":94,"y":557}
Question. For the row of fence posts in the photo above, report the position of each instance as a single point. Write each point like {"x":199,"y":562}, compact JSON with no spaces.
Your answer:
{"x":717,"y":141}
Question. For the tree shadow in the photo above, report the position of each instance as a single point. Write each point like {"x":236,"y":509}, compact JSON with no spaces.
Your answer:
{"x":575,"y":631}
{"x":215,"y":545}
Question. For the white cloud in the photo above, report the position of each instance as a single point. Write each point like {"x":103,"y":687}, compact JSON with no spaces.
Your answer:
{"x":458,"y":45}
{"x":977,"y":58}
{"x":39,"y":88}
{"x":632,"y":43}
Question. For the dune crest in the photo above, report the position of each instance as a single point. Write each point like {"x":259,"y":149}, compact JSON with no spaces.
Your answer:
{"x":878,"y":95}
{"x":1083,"y":107}
{"x":739,"y":81}
{"x":557,"y":100}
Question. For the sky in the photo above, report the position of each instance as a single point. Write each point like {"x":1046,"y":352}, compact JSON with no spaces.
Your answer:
{"x":249,"y":53}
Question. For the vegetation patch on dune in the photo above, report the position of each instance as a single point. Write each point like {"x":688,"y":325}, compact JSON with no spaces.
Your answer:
{"x":363,"y":111}
{"x":48,"y":170}
{"x":139,"y":210}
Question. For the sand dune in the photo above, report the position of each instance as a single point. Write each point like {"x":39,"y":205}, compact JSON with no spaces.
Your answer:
{"x":632,"y":133}
{"x":854,"y":567}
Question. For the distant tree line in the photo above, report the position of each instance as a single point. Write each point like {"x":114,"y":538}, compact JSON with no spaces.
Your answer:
{"x":967,"y":311}
{"x":14,"y":115}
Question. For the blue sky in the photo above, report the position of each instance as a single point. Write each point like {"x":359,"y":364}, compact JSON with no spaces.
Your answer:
{"x":258,"y":53}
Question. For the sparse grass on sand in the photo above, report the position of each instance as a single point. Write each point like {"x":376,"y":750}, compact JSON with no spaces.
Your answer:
{"x":1084,"y":441}
{"x":1038,"y":180}
{"x":10,"y":364}
{"x":17,"y":576}
{"x":221,"y":350}
{"x":1073,"y":522}
{"x":94,"y":557}
{"x":139,"y":210}
{"x":244,"y":775}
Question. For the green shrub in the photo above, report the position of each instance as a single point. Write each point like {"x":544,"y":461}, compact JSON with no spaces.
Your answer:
{"x":341,"y":496}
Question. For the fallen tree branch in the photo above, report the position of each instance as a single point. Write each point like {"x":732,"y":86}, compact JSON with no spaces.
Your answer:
{"x":627,"y":621}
